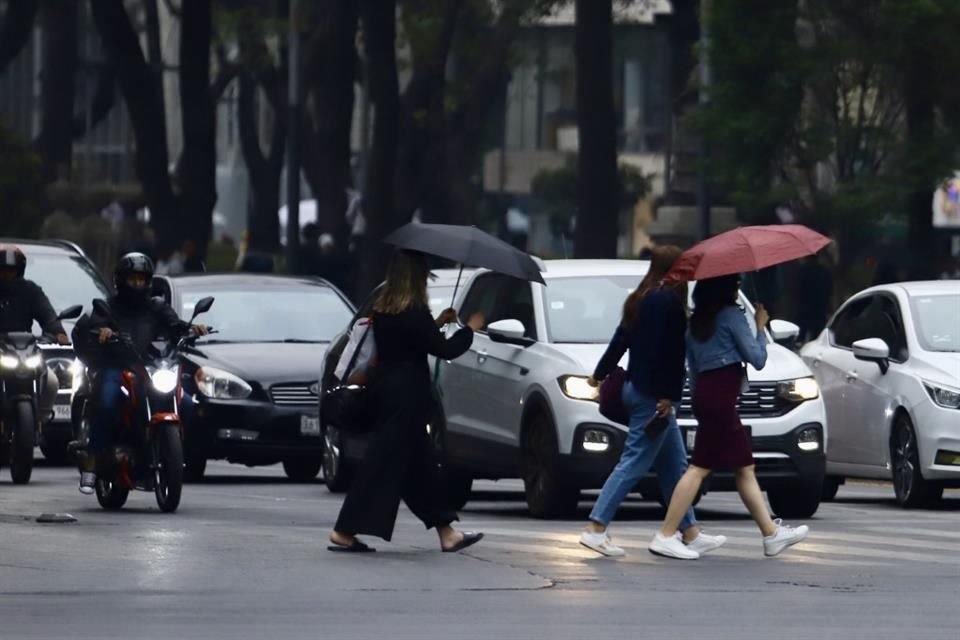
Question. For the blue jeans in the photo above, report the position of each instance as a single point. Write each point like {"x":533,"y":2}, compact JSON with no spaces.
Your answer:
{"x":103,"y":425}
{"x":664,"y":452}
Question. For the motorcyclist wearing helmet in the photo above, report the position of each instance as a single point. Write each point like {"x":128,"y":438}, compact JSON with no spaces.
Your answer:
{"x":142,"y":318}
{"x":22,"y":302}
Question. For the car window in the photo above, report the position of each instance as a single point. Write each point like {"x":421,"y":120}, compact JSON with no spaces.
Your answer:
{"x":309,"y":314}
{"x":935,"y":321}
{"x":516,"y":303}
{"x":439,"y":297}
{"x":66,"y":279}
{"x":889,"y":327}
{"x":482,"y":298}
{"x":585,"y":310}
{"x":851,"y":323}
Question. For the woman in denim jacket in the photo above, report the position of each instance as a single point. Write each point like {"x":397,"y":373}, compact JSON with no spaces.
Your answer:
{"x":652,"y":330}
{"x":719,"y":342}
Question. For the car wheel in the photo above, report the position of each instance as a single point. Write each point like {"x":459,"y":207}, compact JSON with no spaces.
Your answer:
{"x":55,"y":451}
{"x":548,"y":494}
{"x":831,"y":484}
{"x":302,"y":469}
{"x":800,"y":501}
{"x":195,"y":462}
{"x":908,"y":483}
{"x":337,"y":472}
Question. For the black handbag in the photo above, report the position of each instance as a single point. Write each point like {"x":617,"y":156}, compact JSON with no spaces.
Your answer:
{"x":347,"y":406}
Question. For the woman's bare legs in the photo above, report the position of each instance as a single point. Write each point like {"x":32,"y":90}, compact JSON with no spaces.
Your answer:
{"x":752,"y":497}
{"x":683,"y":496}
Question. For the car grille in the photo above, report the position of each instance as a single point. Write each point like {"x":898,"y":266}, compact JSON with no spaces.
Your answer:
{"x":759,"y":401}
{"x":293,"y":395}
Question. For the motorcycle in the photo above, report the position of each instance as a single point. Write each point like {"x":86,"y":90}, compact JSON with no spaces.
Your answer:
{"x":22,"y":375}
{"x":148,"y":452}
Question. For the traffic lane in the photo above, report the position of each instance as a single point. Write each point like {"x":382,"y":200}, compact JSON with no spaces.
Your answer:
{"x":246,"y":558}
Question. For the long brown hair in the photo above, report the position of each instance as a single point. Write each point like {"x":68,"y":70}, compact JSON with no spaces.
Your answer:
{"x":661,"y":261}
{"x":406,"y":285}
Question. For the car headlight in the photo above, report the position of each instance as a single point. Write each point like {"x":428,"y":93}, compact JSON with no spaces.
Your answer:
{"x":9,"y":362}
{"x":222,"y":385}
{"x":164,"y":380}
{"x":33,"y":362}
{"x":946,"y":398}
{"x":576,"y":387}
{"x":799,"y":390}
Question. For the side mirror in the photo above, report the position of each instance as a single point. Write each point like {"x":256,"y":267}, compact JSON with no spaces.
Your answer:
{"x":203,"y":305}
{"x":873,"y":350}
{"x":783,"y":331}
{"x":70,"y":313}
{"x":508,"y":331}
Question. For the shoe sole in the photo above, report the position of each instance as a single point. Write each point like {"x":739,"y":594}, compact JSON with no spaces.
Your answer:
{"x":667,"y":554}
{"x":786,"y":546}
{"x":603,"y":553}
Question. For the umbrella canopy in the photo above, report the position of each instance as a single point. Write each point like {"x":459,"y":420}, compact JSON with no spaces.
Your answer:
{"x":747,"y":249}
{"x":467,"y":245}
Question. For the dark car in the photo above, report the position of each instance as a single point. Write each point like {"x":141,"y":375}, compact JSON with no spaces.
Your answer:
{"x":255,"y":387}
{"x":68,"y":277}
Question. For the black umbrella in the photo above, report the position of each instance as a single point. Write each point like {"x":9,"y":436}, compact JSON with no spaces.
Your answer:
{"x":467,"y":245}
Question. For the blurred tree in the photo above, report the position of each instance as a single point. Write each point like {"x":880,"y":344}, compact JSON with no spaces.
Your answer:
{"x":16,"y":26}
{"x":21,"y":187}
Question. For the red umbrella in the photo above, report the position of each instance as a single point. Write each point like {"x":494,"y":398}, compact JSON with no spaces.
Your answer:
{"x":747,"y":249}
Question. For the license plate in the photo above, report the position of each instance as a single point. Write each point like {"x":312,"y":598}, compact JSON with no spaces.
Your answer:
{"x":691,"y":438}
{"x":61,"y":412}
{"x":309,"y":426}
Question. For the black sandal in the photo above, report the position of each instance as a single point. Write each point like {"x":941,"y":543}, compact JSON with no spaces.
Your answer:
{"x":354,"y":547}
{"x":469,"y":539}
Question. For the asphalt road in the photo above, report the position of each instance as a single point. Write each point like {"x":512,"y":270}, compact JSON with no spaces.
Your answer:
{"x":245,"y":557}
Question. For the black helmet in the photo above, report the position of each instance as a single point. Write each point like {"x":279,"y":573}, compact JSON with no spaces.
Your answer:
{"x":12,"y":256}
{"x":133,"y":264}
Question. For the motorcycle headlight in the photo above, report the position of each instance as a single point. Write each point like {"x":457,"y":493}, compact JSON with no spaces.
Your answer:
{"x":33,"y":362}
{"x":946,"y":398}
{"x":576,"y":387}
{"x":9,"y":362}
{"x":799,"y":390}
{"x":164,"y":380}
{"x":222,"y":385}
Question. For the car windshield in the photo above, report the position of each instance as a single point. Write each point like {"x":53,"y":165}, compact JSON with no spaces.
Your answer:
{"x":935,"y":320}
{"x":306,"y":314}
{"x":67,"y":280}
{"x":585,"y":309}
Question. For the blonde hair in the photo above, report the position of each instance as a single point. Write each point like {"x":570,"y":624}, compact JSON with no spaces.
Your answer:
{"x":406,"y":285}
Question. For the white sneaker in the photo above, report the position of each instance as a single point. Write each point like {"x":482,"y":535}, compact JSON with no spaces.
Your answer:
{"x":705,"y":544}
{"x":672,"y":547}
{"x":784,"y":537}
{"x":87,"y":481}
{"x":602,"y":544}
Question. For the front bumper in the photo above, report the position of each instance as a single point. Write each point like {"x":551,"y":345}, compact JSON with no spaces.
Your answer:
{"x":938,"y":435}
{"x":252,"y":431}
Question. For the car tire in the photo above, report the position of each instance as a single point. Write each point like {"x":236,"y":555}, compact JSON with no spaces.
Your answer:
{"x":55,"y":451}
{"x":195,"y":462}
{"x":831,"y":484}
{"x":800,"y":501}
{"x":547,"y":492}
{"x":337,"y":472}
{"x":909,"y":486}
{"x":302,"y":469}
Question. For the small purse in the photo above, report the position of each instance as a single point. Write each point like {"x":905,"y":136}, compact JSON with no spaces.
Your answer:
{"x":611,"y":397}
{"x":347,"y":405}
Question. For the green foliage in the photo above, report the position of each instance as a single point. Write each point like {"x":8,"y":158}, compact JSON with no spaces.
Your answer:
{"x":556,"y":189}
{"x":21,"y":187}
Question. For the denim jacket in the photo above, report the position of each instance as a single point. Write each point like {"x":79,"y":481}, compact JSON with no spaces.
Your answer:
{"x":732,"y":342}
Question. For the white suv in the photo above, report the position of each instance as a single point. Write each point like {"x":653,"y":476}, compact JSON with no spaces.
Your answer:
{"x":517,"y":404}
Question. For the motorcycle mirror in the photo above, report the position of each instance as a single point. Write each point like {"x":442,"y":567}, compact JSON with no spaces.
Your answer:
{"x":70,"y":312}
{"x":203,"y":305}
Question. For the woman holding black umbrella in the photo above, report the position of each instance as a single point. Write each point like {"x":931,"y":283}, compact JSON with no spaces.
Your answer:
{"x":400,"y":461}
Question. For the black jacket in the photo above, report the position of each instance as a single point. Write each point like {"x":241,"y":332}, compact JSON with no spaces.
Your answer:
{"x":143,"y":323}
{"x":22,"y":302}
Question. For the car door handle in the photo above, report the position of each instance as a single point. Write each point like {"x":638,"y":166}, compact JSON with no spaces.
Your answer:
{"x":852,"y":376}
{"x":482,"y":356}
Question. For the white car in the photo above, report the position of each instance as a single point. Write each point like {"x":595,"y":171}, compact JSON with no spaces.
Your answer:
{"x":517,"y":404}
{"x":888,"y":364}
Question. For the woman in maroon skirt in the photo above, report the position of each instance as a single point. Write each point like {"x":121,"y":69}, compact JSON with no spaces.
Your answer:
{"x":720,"y":341}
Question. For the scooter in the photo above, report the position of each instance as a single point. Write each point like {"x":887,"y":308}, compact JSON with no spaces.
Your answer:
{"x":22,"y":373}
{"x":148,"y":455}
